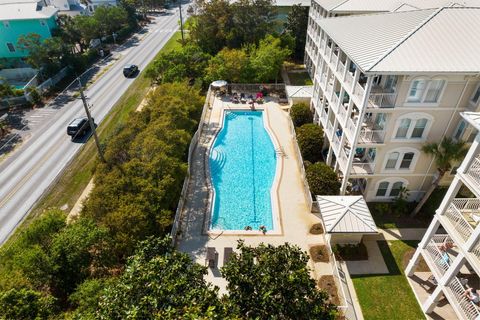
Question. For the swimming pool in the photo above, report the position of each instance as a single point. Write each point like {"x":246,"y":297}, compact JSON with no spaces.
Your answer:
{"x":242,"y":168}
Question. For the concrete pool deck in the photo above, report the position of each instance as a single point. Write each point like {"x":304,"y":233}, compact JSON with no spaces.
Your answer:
{"x":294,"y":212}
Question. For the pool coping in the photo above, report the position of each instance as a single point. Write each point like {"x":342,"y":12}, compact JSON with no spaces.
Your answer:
{"x":275,"y":204}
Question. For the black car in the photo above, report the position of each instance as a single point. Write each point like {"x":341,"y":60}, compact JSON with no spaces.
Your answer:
{"x":78,"y":127}
{"x":130,"y":70}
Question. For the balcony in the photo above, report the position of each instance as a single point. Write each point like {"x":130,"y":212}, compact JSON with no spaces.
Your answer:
{"x":382,"y":100}
{"x":328,"y":52}
{"x":370,"y":136}
{"x":473,"y":173}
{"x":341,"y":69}
{"x":437,"y":259}
{"x":323,"y":116}
{"x":342,"y":159}
{"x":334,"y":61}
{"x":463,"y":215}
{"x":342,"y":115}
{"x":334,"y":101}
{"x":329,"y":130}
{"x":360,"y":168}
{"x":455,"y":291}
{"x":336,"y":144}
{"x":349,"y":80}
{"x":358,"y":91}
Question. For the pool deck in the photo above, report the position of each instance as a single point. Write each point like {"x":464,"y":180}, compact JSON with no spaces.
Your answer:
{"x":294,"y":212}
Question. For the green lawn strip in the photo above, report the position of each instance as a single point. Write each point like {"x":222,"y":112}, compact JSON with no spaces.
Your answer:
{"x":75,"y":177}
{"x":389,"y":296}
{"x":299,"y":79}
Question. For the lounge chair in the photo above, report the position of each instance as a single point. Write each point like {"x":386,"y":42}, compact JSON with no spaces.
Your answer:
{"x":242,"y":98}
{"x":227,"y":252}
{"x":211,"y":257}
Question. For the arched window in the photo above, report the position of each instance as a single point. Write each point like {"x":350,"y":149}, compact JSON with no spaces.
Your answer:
{"x":400,"y":159}
{"x":413,"y":126}
{"x":423,"y":90}
{"x":390,"y":188}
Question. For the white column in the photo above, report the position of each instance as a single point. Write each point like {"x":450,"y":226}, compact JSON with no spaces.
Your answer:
{"x":450,"y":195}
{"x":347,"y":65}
{"x":357,"y":131}
{"x":431,"y":302}
{"x":432,"y":229}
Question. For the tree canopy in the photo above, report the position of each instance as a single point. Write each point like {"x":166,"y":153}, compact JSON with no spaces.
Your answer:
{"x":221,"y":23}
{"x":322,"y":180}
{"x":160,"y":283}
{"x":301,"y":114}
{"x":267,"y":282}
{"x":310,"y":141}
{"x":296,"y":26}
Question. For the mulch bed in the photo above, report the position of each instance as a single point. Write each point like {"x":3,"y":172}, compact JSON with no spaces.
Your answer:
{"x":327,"y":283}
{"x":351,"y":252}
{"x":319,"y":253}
{"x":317,"y":228}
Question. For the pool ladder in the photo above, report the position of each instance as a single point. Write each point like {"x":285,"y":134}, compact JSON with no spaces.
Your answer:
{"x":280,"y":152}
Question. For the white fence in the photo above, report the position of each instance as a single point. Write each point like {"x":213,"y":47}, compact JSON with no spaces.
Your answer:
{"x":176,"y":227}
{"x":301,"y":167}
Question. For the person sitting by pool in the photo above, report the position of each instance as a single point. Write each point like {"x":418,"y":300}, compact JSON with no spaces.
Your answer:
{"x":248,"y":228}
{"x":472,"y":295}
{"x":263,"y":229}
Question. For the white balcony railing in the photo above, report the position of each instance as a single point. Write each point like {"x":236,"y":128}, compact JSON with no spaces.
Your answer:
{"x":359,"y":90}
{"x":336,"y":144}
{"x":382,"y":100}
{"x":349,"y":80}
{"x":350,"y":129}
{"x":439,"y":260}
{"x":329,"y":130}
{"x":334,"y":101}
{"x":322,"y":45}
{"x":341,"y":69}
{"x":457,"y":291}
{"x":327,"y":53}
{"x":371,"y":136}
{"x":362,"y":168}
{"x":473,"y":172}
{"x":334,"y":61}
{"x":342,"y":159}
{"x":342,"y":115}
{"x":323,"y":116}
{"x":458,"y":221}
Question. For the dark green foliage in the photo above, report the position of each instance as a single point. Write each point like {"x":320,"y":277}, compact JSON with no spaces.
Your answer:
{"x":268,"y":282}
{"x":267,"y":58}
{"x":25,"y":304}
{"x":301,"y":114}
{"x":322,"y":180}
{"x":86,"y":297}
{"x":221,"y":23}
{"x":161,"y":283}
{"x":187,"y":63}
{"x":350,"y":252}
{"x":310,"y":142}
{"x":136,"y":191}
{"x":232,"y":65}
{"x":296,"y":26}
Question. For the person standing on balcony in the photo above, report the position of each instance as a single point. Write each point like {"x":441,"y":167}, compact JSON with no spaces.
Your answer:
{"x":472,"y":295}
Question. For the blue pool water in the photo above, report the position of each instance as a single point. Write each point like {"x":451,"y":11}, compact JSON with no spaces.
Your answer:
{"x":242,"y":167}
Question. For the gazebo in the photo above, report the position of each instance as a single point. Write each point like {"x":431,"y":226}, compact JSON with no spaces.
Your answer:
{"x":346,"y":218}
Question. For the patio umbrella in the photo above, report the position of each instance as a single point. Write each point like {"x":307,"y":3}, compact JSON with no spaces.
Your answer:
{"x":219,"y":84}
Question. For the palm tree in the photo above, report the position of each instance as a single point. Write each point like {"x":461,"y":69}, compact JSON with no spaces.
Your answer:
{"x":445,"y":153}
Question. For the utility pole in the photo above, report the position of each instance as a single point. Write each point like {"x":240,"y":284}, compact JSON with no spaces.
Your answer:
{"x":90,"y":121}
{"x":181,"y":21}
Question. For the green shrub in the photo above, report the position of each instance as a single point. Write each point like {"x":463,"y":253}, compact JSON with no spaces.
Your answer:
{"x":310,"y":142}
{"x":322,"y":180}
{"x":301,"y":114}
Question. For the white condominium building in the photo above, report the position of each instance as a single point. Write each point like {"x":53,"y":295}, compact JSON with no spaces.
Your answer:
{"x":451,"y":245}
{"x":385,"y":84}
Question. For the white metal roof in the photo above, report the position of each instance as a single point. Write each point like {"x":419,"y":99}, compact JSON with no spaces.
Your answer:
{"x":346,"y":214}
{"x":430,"y":40}
{"x":473,"y":118}
{"x":299,"y":91}
{"x":365,"y":6}
{"x":25,"y":10}
{"x":289,"y":3}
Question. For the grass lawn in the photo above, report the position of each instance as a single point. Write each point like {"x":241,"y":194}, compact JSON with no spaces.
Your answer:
{"x":389,"y":296}
{"x":299,"y":79}
{"x":75,"y":177}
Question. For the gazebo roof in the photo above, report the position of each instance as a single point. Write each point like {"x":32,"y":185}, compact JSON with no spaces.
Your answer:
{"x":346,"y":214}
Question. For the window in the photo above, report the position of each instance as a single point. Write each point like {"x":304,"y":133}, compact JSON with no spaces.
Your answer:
{"x":392,"y":160}
{"x":407,"y":160}
{"x":425,"y":91}
{"x":396,"y":187}
{"x":476,"y":96}
{"x":403,"y":128}
{"x":416,"y":90}
{"x":399,"y":160}
{"x":11,"y":47}
{"x":413,"y":126}
{"x":382,"y":189}
{"x":460,"y":130}
{"x":419,"y":128}
{"x":390,"y":188}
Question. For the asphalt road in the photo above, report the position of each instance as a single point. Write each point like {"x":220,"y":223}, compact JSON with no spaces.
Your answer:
{"x":28,"y":172}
